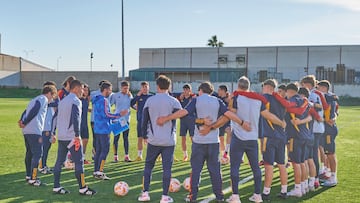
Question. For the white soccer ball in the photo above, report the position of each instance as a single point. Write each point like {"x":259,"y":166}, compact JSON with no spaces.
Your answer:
{"x":175,"y":185}
{"x":121,"y":188}
{"x":186,"y":184}
{"x":69,"y":165}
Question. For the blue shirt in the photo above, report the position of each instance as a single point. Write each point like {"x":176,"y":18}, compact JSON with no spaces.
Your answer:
{"x":93,"y":94}
{"x":139,"y":101}
{"x":34,"y":116}
{"x":102,"y":115}
{"x":190,"y":117}
{"x":278,"y":110}
{"x":304,"y":129}
{"x":161,"y":104}
{"x":206,"y":106}
{"x":333,"y":103}
{"x":314,"y":98}
{"x":121,"y":102}
{"x":49,"y":118}
{"x":84,"y":114}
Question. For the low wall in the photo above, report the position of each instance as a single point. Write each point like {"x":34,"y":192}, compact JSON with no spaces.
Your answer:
{"x":35,"y":79}
{"x":340,"y":90}
{"x":9,"y":79}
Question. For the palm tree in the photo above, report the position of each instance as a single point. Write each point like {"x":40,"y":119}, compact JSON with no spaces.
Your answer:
{"x":213,"y":42}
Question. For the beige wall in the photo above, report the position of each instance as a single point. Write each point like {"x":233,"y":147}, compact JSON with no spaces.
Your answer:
{"x":9,"y":63}
{"x":35,"y":79}
{"x":27,"y":65}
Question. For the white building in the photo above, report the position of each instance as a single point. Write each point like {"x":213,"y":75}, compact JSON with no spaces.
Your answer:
{"x":338,"y":63}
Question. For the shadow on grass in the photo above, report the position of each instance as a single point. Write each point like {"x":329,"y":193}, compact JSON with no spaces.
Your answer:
{"x":13,"y":187}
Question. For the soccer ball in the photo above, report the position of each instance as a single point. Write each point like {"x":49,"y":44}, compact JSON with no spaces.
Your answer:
{"x":174,"y":185}
{"x":121,"y":188}
{"x":186,"y":184}
{"x":69,"y":165}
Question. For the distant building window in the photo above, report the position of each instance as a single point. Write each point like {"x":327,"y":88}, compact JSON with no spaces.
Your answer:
{"x":241,"y":59}
{"x":222,"y":59}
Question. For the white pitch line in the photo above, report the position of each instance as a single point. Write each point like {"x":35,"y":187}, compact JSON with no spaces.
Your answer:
{"x":228,"y":189}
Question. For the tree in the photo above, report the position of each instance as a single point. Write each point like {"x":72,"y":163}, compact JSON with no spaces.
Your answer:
{"x":213,"y":42}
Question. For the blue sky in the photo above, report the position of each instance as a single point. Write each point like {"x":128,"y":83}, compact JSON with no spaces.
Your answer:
{"x":67,"y":31}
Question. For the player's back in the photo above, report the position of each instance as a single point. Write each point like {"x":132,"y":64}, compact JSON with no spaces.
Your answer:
{"x":318,"y":127}
{"x":207,"y":106}
{"x":304,"y":130}
{"x":36,"y":125}
{"x":161,"y":104}
{"x":66,"y":108}
{"x":93,"y":94}
{"x":275,"y":107}
{"x":247,"y":109}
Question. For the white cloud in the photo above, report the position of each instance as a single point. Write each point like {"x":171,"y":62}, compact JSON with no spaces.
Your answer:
{"x":353,"y":5}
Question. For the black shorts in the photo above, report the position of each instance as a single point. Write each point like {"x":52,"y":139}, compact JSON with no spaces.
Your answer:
{"x":329,"y":139}
{"x":222,"y":128}
{"x":84,"y":132}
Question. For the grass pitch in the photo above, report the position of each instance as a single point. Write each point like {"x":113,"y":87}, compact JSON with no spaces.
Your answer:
{"x":13,"y":187}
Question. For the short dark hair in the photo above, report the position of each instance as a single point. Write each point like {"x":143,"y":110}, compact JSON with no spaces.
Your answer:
{"x":271,"y":82}
{"x":49,"y":83}
{"x":163,"y":82}
{"x":324,"y":83}
{"x":105,"y":85}
{"x":304,"y":91}
{"x":101,"y":82}
{"x":68,"y":80}
{"x":143,"y":83}
{"x":86,"y":86}
{"x":244,"y":83}
{"x":49,"y":88}
{"x":206,"y":87}
{"x":187,"y":86}
{"x":282,"y":87}
{"x":292,"y":86}
{"x":223,"y":87}
{"x":309,"y":79}
{"x":125,"y":84}
{"x":75,"y":83}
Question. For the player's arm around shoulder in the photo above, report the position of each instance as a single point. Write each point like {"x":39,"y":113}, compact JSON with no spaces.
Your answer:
{"x":273,"y":118}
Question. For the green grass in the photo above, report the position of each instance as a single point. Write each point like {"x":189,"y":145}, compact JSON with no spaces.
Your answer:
{"x":14,"y":189}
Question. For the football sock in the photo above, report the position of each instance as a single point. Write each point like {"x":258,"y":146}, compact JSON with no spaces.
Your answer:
{"x":266,"y":190}
{"x":227,"y":148}
{"x":283,"y":188}
{"x":311,"y":181}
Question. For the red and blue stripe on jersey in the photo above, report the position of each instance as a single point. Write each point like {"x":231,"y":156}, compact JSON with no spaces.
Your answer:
{"x":301,"y":131}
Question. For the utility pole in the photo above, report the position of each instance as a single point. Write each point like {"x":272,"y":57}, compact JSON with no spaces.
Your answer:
{"x":91,"y":60}
{"x":122,"y":39}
